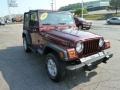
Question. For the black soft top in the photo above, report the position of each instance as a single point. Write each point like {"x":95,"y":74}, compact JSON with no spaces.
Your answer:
{"x":42,"y":10}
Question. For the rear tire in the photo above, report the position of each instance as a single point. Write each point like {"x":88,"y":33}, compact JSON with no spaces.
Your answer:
{"x":25,"y":45}
{"x":55,"y":68}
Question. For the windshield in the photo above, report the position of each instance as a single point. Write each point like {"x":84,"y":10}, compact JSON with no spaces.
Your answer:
{"x":56,"y":18}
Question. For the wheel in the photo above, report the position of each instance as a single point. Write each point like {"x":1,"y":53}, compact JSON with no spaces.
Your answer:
{"x":88,"y":28}
{"x":25,"y":45}
{"x":82,"y":28}
{"x":108,"y":22}
{"x":79,"y":28}
{"x":55,"y":69}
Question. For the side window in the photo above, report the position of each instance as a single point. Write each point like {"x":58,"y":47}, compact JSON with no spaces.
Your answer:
{"x":114,"y":18}
{"x":26,"y":20}
{"x":33,"y":19}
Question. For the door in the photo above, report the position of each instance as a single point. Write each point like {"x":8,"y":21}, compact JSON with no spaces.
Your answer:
{"x":34,"y":29}
{"x":118,"y":20}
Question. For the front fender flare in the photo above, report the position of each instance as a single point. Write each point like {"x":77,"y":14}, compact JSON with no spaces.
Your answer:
{"x":57,"y":49}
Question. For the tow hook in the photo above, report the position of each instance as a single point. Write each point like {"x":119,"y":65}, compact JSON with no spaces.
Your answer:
{"x":107,"y":58}
{"x":89,"y":67}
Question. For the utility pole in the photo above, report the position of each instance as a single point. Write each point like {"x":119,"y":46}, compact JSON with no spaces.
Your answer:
{"x":82,"y":8}
{"x":9,"y":11}
{"x":55,"y":4}
{"x":116,"y":6}
{"x":11,"y":4}
{"x":52,"y":5}
{"x":8,"y":4}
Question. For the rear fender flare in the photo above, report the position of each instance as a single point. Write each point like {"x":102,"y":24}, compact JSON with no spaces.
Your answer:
{"x":28,"y":37}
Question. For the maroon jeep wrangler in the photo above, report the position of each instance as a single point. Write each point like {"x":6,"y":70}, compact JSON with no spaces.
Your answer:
{"x":54,"y":35}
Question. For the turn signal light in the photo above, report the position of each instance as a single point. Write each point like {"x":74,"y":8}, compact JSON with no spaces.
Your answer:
{"x":71,"y":53}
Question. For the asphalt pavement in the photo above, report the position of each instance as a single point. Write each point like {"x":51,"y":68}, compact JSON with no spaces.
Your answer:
{"x":22,"y":71}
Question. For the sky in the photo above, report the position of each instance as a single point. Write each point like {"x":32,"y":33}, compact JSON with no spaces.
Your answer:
{"x":26,"y":5}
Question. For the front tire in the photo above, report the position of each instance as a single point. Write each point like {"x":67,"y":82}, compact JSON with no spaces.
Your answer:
{"x":25,"y":45}
{"x":55,"y":69}
{"x":108,"y":22}
{"x":82,"y":28}
{"x":87,"y":28}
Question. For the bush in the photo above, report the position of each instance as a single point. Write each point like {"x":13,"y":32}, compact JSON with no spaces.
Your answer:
{"x":100,"y":16}
{"x":78,"y":12}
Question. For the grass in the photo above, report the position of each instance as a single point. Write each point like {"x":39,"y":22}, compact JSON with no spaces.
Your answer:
{"x":100,"y":16}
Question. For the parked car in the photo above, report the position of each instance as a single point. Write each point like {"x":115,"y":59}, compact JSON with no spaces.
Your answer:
{"x":17,"y":19}
{"x":2,"y":21}
{"x":113,"y":20}
{"x":8,"y":21}
{"x":81,"y":23}
{"x":54,"y":35}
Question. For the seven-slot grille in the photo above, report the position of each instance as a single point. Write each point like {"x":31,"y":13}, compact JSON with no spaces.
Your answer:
{"x":91,"y":46}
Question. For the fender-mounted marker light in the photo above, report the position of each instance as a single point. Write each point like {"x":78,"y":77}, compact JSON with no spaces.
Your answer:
{"x":107,"y":44}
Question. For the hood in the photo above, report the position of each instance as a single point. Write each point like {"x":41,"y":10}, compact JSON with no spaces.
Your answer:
{"x":73,"y":35}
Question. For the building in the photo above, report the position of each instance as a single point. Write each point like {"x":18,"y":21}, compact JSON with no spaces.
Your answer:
{"x":95,"y":5}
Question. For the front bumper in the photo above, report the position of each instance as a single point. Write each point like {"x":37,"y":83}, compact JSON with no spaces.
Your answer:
{"x":91,"y":62}
{"x":86,"y":25}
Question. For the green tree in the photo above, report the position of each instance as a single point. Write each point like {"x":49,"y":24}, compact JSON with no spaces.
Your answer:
{"x":78,"y":12}
{"x":70,"y":7}
{"x":115,"y":4}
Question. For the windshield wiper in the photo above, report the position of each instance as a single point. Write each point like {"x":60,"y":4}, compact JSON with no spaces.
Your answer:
{"x":46,"y":24}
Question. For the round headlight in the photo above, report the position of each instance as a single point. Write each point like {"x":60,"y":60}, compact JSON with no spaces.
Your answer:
{"x":101,"y":42}
{"x":79,"y":47}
